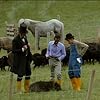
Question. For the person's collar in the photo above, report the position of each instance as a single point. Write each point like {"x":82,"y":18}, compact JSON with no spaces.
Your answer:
{"x":22,"y":36}
{"x":55,"y":44}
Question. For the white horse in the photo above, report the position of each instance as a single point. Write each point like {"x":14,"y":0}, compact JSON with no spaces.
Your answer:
{"x":40,"y":29}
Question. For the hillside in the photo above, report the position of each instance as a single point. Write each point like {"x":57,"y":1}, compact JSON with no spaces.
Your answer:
{"x":78,"y":16}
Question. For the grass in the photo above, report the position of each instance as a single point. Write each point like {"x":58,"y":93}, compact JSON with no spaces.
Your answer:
{"x":67,"y":92}
{"x":77,"y":16}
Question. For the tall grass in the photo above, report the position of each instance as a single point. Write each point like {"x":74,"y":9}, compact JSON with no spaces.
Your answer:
{"x":43,"y":73}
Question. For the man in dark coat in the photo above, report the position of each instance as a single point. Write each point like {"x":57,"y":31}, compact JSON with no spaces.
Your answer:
{"x":21,"y":58}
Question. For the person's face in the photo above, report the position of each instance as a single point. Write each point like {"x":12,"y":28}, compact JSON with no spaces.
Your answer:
{"x":56,"y":40}
{"x":70,"y":41}
{"x":22,"y":35}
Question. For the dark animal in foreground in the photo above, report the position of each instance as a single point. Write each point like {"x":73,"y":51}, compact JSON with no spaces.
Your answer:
{"x":44,"y":86}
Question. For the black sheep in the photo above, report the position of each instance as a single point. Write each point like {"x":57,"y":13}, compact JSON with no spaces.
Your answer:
{"x":39,"y":60}
{"x":43,"y":52}
{"x":3,"y":62}
{"x":92,"y":54}
{"x":44,"y":86}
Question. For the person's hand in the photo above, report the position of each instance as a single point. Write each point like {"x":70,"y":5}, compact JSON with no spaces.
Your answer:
{"x":29,"y":45}
{"x":24,"y":48}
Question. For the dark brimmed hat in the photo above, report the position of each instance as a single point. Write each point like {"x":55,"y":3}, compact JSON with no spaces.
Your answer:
{"x":23,"y":28}
{"x":69,"y":36}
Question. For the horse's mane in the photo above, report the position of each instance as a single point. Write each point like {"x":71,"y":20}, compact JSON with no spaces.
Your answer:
{"x":30,"y":20}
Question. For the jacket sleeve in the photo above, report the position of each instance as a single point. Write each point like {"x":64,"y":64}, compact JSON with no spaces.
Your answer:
{"x":84,"y":47}
{"x":63,"y":51}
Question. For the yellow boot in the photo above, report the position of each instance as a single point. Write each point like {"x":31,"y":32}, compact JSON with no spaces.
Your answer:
{"x":26,"y":85}
{"x":18,"y":86}
{"x":78,"y":84}
{"x":74,"y":83}
{"x":59,"y":82}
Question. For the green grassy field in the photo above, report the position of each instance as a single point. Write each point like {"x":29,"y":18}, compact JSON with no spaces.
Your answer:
{"x":67,"y":92}
{"x":78,"y":17}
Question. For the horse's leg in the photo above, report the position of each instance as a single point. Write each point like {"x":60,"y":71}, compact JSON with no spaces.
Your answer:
{"x":38,"y":42}
{"x":48,"y":37}
{"x":37,"y":39}
{"x":62,"y":32}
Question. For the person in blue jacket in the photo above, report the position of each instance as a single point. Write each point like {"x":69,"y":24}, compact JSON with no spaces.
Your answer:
{"x":77,"y":50}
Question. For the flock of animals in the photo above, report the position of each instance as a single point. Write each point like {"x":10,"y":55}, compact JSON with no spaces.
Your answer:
{"x":91,"y":56}
{"x":41,"y":28}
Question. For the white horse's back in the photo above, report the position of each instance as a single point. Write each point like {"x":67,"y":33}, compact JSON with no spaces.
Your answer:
{"x":28,"y":22}
{"x":51,"y":25}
